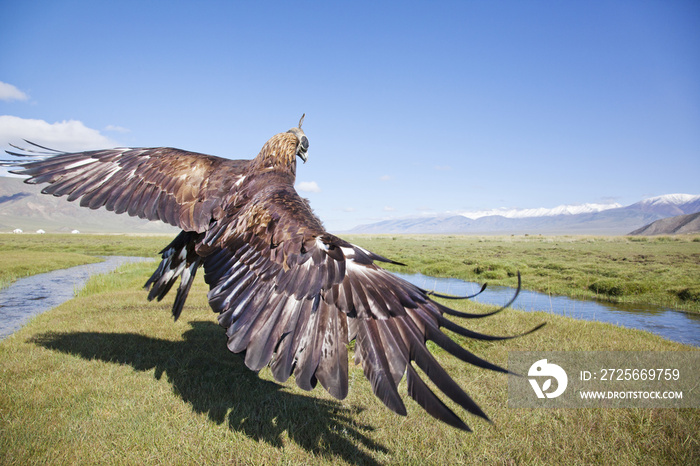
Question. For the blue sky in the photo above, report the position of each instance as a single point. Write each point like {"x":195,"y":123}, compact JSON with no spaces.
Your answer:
{"x":412,"y":108}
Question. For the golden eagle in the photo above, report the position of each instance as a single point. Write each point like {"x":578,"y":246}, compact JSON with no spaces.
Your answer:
{"x":289,"y":293}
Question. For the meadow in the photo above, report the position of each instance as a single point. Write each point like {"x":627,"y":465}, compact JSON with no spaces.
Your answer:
{"x":109,"y":378}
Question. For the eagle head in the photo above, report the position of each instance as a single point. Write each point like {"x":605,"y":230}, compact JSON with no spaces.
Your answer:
{"x":281,"y":150}
{"x":303,"y":141}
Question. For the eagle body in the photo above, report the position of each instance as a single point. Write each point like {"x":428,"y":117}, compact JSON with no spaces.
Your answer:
{"x":289,"y":294}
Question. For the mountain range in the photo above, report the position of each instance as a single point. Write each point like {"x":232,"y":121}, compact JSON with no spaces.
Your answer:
{"x":23,"y":206}
{"x":590,"y":219}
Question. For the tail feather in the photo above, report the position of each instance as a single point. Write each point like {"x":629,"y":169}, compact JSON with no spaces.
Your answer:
{"x":184,"y":288}
{"x":179,"y":261}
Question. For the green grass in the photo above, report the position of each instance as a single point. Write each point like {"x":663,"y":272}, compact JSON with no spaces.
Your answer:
{"x":96,"y":245}
{"x":109,"y":378}
{"x":664,"y":271}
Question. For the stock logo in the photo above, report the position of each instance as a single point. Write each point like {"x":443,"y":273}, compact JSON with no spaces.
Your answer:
{"x":542,"y":370}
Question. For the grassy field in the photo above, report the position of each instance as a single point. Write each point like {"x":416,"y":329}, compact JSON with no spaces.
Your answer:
{"x":108,"y":378}
{"x":96,"y":245}
{"x":657,"y":270}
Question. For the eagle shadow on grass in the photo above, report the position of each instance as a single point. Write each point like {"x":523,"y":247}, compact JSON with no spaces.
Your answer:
{"x":213,"y":381}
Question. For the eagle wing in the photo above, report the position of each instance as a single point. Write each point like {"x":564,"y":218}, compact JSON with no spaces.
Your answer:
{"x":184,"y":189}
{"x":293,"y":296}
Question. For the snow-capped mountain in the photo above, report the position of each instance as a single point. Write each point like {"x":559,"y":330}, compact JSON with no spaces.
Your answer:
{"x":671,"y":199}
{"x":669,"y":205}
{"x":542,"y":211}
{"x":600,"y":219}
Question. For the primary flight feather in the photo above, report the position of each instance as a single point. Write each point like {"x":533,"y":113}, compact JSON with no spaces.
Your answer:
{"x":290,"y":294}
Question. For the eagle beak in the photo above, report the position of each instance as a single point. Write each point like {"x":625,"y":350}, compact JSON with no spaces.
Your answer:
{"x":303,"y":147}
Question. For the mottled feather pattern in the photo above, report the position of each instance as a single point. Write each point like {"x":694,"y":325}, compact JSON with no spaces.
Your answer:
{"x":289,"y":294}
{"x":165,"y":184}
{"x":279,"y":153}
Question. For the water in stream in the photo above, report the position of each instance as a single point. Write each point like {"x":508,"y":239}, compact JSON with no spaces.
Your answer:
{"x":33,"y":295}
{"x":671,"y":324}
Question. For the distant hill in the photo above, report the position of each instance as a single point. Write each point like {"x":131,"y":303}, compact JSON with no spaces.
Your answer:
{"x":23,"y":206}
{"x":678,"y":225}
{"x":618,"y":220}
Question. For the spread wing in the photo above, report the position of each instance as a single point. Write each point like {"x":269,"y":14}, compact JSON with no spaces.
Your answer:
{"x":182,"y":188}
{"x":293,"y":296}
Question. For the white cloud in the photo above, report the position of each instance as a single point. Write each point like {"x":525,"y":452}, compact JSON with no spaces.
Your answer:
{"x":117,"y":129}
{"x":9,"y":92}
{"x":385,"y":177}
{"x":389,"y":209}
{"x":349,"y":209}
{"x":309,"y":187}
{"x":68,"y":135}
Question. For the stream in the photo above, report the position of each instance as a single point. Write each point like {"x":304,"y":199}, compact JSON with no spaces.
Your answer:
{"x":30,"y":296}
{"x":671,"y":324}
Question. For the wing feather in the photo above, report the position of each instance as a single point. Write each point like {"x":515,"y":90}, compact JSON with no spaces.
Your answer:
{"x":394,"y":347}
{"x":267,"y":332}
{"x":332,"y":371}
{"x":372,"y":356}
{"x":293,"y":296}
{"x":283,"y":361}
{"x":429,"y":365}
{"x":243,"y":329}
{"x":120,"y":204}
{"x":184,"y":189}
{"x":425,"y":397}
{"x":308,"y":351}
